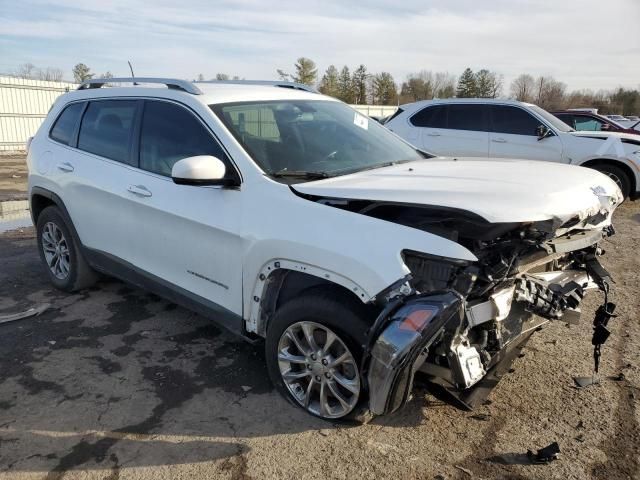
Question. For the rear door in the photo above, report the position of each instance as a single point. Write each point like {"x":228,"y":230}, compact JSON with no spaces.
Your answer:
{"x":94,"y":176}
{"x":455,"y":129}
{"x":467,"y":132}
{"x":513,"y":135}
{"x":187,"y":237}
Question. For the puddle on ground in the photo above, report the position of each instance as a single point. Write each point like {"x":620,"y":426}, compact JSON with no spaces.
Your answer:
{"x":15,"y":220}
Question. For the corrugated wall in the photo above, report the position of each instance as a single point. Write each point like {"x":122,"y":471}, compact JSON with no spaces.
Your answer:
{"x":23,"y":106}
{"x":25,"y":103}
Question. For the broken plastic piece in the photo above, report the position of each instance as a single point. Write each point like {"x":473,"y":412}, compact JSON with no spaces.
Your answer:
{"x":582,"y":382}
{"x":34,"y":311}
{"x":546,"y":454}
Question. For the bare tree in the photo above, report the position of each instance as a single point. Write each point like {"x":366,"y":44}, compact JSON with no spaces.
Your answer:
{"x":26,"y":70}
{"x":522,"y":88}
{"x":50,"y":74}
{"x":222,"y":76}
{"x":549,"y":93}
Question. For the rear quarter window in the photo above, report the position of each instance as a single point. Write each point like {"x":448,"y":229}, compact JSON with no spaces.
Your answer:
{"x":65,"y":125}
{"x":433,"y":117}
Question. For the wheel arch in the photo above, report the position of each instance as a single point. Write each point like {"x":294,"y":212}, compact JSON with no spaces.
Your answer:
{"x":280,"y":280}
{"x":593,"y":163}
{"x":42,"y":198}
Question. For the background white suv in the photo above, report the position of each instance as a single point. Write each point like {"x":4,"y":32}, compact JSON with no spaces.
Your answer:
{"x":286,"y":215}
{"x":508,"y":129}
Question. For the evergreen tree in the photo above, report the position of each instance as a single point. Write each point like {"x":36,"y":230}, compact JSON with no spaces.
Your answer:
{"x":306,"y":71}
{"x":488,"y":84}
{"x":81,"y":73}
{"x":385,"y":91}
{"x":329,"y":85}
{"x":345,"y":92}
{"x":359,"y":84}
{"x":466,"y":84}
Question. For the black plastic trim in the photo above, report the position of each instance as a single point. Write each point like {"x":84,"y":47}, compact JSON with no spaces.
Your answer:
{"x":116,"y":267}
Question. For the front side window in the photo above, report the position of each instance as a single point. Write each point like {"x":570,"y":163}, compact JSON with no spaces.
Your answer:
{"x":106,"y":129}
{"x":290,"y":138}
{"x":513,"y":120}
{"x":65,"y":125}
{"x":431,"y":117}
{"x":567,"y":118}
{"x":170,"y":133}
{"x":467,"y":117}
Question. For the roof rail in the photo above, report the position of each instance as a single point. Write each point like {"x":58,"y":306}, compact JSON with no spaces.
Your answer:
{"x":274,"y":83}
{"x":171,"y":83}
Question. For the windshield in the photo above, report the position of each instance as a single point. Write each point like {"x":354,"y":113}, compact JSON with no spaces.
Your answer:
{"x":552,"y":119}
{"x":312,"y":138}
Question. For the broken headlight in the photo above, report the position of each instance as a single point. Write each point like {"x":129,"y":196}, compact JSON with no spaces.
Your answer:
{"x":430,"y":273}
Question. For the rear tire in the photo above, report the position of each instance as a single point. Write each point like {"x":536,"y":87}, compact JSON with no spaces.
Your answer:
{"x":66,"y":266}
{"x":323,"y":312}
{"x":618,"y":175}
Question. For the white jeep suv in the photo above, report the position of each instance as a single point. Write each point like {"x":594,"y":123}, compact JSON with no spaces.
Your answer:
{"x":487,"y":128}
{"x":284,"y":214}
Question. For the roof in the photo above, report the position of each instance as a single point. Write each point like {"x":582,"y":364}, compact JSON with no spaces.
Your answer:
{"x":204,"y":92}
{"x":443,"y":101}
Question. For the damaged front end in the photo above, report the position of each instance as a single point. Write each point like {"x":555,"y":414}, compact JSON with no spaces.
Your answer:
{"x":461,"y":324}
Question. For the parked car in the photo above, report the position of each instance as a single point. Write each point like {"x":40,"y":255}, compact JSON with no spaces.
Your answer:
{"x":591,"y":122}
{"x":510,"y":129}
{"x":286,"y":215}
{"x":623,"y":121}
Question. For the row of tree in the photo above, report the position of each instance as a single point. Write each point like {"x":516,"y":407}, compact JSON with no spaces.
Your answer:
{"x":361,"y":86}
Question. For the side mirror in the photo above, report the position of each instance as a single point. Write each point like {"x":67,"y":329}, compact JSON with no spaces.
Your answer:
{"x":605,"y":126}
{"x":200,"y":170}
{"x":542,"y":132}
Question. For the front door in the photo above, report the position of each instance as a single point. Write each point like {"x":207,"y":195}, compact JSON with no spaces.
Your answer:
{"x":186,"y":236}
{"x":513,"y":135}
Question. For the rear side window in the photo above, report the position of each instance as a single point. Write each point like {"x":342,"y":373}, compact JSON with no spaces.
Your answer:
{"x":396,"y":113}
{"x":582,"y":122}
{"x":65,"y":126}
{"x":513,"y":120}
{"x":467,"y":117}
{"x":432,"y":117}
{"x":106,"y":129}
{"x":170,"y":133}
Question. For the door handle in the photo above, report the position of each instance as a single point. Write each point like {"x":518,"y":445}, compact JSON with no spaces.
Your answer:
{"x":139,"y":190}
{"x":433,"y":134}
{"x":498,"y":140}
{"x":65,"y":167}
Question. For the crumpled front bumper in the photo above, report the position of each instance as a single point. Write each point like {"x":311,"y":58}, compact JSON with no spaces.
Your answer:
{"x":401,"y":337}
{"x":411,"y":327}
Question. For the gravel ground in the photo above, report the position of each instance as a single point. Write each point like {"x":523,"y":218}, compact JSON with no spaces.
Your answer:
{"x":115,"y":383}
{"x":13,"y":177}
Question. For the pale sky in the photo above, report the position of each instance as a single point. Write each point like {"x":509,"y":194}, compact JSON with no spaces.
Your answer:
{"x":585,"y":43}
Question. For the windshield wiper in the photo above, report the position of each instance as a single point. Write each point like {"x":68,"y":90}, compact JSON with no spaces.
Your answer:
{"x":300,"y":174}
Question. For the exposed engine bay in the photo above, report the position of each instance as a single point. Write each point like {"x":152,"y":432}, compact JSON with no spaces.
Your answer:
{"x":470,"y":319}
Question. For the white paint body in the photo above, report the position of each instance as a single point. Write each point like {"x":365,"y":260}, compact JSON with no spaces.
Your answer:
{"x":575,"y":148}
{"x":231,"y":236}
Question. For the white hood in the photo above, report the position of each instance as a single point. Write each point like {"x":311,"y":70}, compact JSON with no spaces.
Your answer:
{"x":497,"y":190}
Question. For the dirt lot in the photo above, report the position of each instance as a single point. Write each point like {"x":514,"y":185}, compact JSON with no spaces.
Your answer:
{"x":13,"y":177}
{"x":115,"y":383}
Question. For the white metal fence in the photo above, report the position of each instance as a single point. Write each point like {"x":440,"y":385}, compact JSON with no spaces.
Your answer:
{"x":23,"y":106}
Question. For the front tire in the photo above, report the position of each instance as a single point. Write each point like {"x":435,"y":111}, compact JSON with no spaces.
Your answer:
{"x":314,"y":350}
{"x":618,"y":175}
{"x":67,"y":268}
